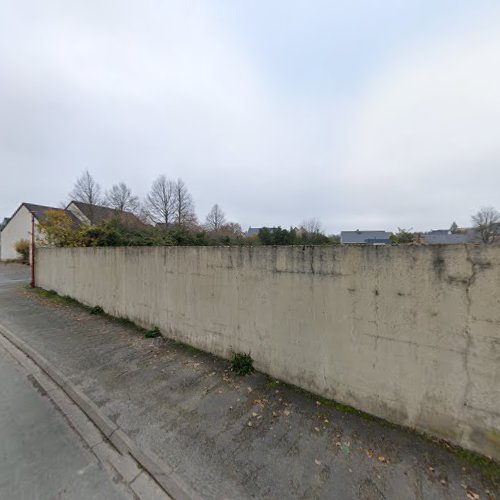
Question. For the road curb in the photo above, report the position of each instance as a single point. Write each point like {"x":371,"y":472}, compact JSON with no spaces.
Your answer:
{"x":162,"y":473}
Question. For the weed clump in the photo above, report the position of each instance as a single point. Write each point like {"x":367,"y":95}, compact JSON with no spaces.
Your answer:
{"x":151,"y":334}
{"x":242,"y":363}
{"x":96,"y":310}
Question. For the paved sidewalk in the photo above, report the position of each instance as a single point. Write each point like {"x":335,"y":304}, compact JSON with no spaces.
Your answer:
{"x":41,"y":456}
{"x":232,"y":437}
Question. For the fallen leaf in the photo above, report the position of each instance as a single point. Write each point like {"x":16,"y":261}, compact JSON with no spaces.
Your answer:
{"x":249,"y":424}
{"x":381,"y":458}
{"x":317,"y":462}
{"x":369,"y":453}
{"x":275,"y":414}
{"x":326,"y":421}
{"x":286,"y":412}
{"x":254,"y":414}
{"x":472,"y":495}
{"x":316,"y":429}
{"x":249,"y":389}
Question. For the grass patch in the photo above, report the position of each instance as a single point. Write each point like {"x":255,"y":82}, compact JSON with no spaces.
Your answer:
{"x":53,"y":295}
{"x":152,"y":334}
{"x":96,"y":310}
{"x":242,"y":363}
{"x":122,"y":320}
{"x":488,"y":466}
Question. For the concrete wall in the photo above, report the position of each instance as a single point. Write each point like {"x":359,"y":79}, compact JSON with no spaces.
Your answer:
{"x":411,"y":334}
{"x":18,"y":228}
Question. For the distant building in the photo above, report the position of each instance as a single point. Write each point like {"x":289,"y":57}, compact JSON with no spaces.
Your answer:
{"x":446,"y":237}
{"x":18,"y":227}
{"x":252,"y":231}
{"x":365,"y":237}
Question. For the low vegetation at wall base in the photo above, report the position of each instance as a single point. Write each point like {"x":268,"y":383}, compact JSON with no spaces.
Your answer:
{"x":242,"y":363}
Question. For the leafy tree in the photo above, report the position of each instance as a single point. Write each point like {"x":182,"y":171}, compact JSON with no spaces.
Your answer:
{"x":454,"y":228}
{"x":485,"y":222}
{"x":23,"y":248}
{"x":403,"y":236}
{"x":56,"y":228}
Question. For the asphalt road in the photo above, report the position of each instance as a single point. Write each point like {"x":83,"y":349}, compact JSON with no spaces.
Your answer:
{"x":41,"y":456}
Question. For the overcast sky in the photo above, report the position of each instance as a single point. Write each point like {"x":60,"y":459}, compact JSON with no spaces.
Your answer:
{"x":367,"y":114}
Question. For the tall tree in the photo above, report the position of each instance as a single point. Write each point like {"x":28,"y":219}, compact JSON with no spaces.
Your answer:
{"x":184,"y":215}
{"x":215,"y":219}
{"x":161,"y":201}
{"x":120,"y":197}
{"x":86,"y":189}
{"x":485,"y":222}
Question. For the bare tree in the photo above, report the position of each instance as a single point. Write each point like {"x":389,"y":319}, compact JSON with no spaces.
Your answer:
{"x":86,"y":189}
{"x":485,"y":222}
{"x":120,"y":197}
{"x":215,"y":219}
{"x":160,"y":202}
{"x":312,"y":226}
{"x":183,"y":205}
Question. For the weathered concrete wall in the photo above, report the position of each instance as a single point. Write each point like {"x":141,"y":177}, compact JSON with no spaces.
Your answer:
{"x":411,"y":334}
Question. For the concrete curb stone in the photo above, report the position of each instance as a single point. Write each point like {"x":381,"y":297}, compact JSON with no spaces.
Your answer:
{"x":163,"y":474}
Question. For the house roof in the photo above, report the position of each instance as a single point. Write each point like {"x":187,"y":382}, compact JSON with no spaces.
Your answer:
{"x":252,"y":231}
{"x":364,"y":237}
{"x":447,"y":239}
{"x":97,"y":214}
{"x":39,"y":211}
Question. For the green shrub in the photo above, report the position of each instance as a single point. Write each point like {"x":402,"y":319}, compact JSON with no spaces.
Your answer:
{"x":96,"y":310}
{"x":242,"y":363}
{"x":151,"y":334}
{"x":23,"y":248}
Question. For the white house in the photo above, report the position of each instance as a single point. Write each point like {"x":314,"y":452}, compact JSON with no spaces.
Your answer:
{"x":19,"y":228}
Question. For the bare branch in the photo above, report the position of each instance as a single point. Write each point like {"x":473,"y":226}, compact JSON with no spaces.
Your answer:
{"x":485,"y":222}
{"x":120,"y":197}
{"x":86,"y":189}
{"x":312,"y":226}
{"x":215,"y":219}
{"x":160,"y":201}
{"x":184,"y":206}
